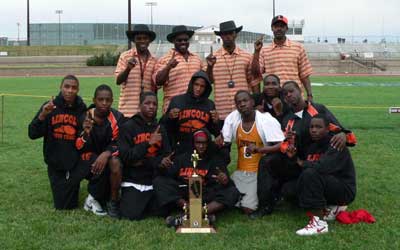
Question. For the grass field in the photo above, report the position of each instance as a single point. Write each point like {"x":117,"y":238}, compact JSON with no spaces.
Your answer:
{"x":28,"y":221}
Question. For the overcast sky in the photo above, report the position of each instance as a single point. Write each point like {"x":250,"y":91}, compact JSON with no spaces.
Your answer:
{"x":322,"y":17}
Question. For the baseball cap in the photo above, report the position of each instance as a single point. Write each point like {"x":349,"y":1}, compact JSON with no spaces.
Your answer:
{"x":279,"y":18}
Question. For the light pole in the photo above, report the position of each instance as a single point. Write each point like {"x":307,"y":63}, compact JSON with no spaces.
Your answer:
{"x":273,"y":8}
{"x":18,"y":24}
{"x":151,"y":4}
{"x":129,"y":23}
{"x":28,"y":35}
{"x":59,"y":12}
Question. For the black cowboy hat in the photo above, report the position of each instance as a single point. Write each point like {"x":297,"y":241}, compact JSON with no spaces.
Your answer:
{"x":228,"y":26}
{"x":177,"y":30}
{"x":140,"y":29}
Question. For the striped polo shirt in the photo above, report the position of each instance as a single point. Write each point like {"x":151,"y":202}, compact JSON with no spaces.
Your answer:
{"x":130,"y":90}
{"x":179,"y":76}
{"x":236,"y":67}
{"x":288,"y":61}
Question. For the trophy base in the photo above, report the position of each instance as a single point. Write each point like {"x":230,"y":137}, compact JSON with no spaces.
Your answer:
{"x":194,"y":230}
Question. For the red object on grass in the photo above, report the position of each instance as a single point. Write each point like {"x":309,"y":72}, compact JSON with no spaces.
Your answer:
{"x":357,"y":216}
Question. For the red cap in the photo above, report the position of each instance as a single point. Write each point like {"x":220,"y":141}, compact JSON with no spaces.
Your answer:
{"x":279,"y":18}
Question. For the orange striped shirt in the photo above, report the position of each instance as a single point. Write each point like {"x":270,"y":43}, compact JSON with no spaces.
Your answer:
{"x":130,"y":90}
{"x":236,"y":67}
{"x":288,"y":61}
{"x":179,"y":76}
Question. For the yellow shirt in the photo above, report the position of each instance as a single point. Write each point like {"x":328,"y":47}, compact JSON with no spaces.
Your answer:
{"x":248,"y":162}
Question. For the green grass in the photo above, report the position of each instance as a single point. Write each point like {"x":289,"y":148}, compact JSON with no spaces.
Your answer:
{"x":28,"y":221}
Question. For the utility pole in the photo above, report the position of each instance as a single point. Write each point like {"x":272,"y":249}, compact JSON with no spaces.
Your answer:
{"x":18,"y":24}
{"x":59,"y":12}
{"x":129,"y":23}
{"x":28,"y":35}
{"x":273,"y":8}
{"x":151,"y":4}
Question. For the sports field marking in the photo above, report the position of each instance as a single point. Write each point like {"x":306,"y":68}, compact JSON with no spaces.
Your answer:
{"x":89,"y":99}
{"x":357,"y":84}
{"x":34,"y":96}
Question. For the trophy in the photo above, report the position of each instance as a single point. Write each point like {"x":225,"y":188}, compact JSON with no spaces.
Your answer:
{"x":195,"y":219}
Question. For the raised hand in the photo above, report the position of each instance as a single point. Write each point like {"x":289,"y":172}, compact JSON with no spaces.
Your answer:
{"x":155,"y":137}
{"x":291,"y":137}
{"x":167,"y":161}
{"x":211,"y":59}
{"x":132,"y":63}
{"x":88,"y":123}
{"x":47,"y":109}
{"x":172,"y":62}
{"x":258,"y":43}
{"x":214,"y":116}
{"x":174,"y":113}
{"x":221,"y":177}
{"x":277,"y":105}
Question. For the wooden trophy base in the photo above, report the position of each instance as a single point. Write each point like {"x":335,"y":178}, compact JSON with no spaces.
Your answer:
{"x":195,"y":230}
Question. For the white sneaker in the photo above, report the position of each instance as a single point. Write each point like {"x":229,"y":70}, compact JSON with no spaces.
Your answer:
{"x":94,"y":206}
{"x":332,"y":211}
{"x":314,"y":226}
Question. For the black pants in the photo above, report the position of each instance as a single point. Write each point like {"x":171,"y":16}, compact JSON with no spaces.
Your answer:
{"x":64,"y":188}
{"x":98,"y":185}
{"x":168,"y":192}
{"x":65,"y":184}
{"x":277,"y":175}
{"x":317,"y":191}
{"x":136,"y":205}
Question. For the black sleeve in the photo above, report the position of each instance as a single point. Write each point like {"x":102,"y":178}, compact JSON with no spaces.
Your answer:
{"x":330,"y":162}
{"x":83,"y":143}
{"x":164,"y":151}
{"x":128,"y":151}
{"x":225,"y":153}
{"x":218,"y":164}
{"x":335,"y":127}
{"x":113,"y":145}
{"x":38,"y":128}
{"x":173,"y":171}
{"x":171,"y":125}
{"x":214,"y":128}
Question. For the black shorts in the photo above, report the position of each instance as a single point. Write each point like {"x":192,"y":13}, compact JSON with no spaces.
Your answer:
{"x":170,"y":191}
{"x":136,"y":205}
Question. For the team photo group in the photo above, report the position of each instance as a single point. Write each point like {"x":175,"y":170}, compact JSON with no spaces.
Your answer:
{"x":257,"y":108}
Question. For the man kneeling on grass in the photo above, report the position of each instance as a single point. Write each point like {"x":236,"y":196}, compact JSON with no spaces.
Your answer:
{"x":142,"y":145}
{"x":219,"y":191}
{"x":97,"y":145}
{"x":57,"y":121}
{"x":327,"y":183}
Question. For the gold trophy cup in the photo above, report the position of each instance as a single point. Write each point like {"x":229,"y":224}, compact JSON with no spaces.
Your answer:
{"x":197,"y":220}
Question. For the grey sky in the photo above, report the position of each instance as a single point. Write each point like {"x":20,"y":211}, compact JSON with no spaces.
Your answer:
{"x":322,"y":17}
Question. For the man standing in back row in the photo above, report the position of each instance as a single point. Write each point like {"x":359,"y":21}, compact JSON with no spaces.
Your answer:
{"x":175,"y":69}
{"x":230,"y":69}
{"x":285,"y":58}
{"x":134,"y":70}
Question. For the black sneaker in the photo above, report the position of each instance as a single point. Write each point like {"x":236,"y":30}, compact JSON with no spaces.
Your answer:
{"x":212,"y":218}
{"x":113,"y":209}
{"x":174,"y":221}
{"x":261,"y":212}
